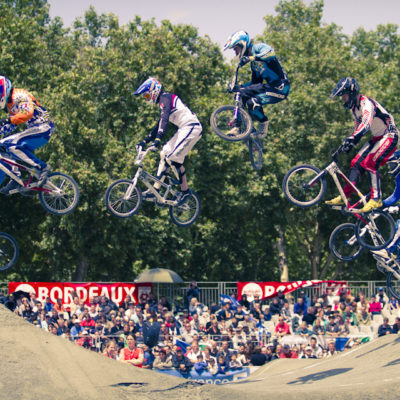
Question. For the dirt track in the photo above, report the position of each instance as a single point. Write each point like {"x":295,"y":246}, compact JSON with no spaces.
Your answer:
{"x":37,"y":365}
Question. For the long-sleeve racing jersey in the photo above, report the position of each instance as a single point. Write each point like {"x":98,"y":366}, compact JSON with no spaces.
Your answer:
{"x":266,"y":66}
{"x":172,"y":110}
{"x":370,"y":115}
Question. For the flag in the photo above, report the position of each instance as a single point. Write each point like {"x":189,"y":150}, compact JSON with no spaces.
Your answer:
{"x":224,"y":298}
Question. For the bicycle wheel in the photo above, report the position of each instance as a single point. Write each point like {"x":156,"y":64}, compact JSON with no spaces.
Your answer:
{"x":60,"y":195}
{"x":186,"y":213}
{"x":299,"y":188}
{"x":375,"y":230}
{"x":221,"y":118}
{"x":119,"y":203}
{"x":344,"y":244}
{"x":393,"y":282}
{"x":255,"y":152}
{"x":9,"y":251}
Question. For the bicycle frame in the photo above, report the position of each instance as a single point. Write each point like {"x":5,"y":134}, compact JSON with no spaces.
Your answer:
{"x":386,"y":265}
{"x":149,"y":180}
{"x":29,"y":185}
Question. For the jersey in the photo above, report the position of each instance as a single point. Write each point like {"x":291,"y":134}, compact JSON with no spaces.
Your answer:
{"x":266,"y":66}
{"x":172,"y":110}
{"x":24,"y":108}
{"x":132,"y":355}
{"x":370,"y":115}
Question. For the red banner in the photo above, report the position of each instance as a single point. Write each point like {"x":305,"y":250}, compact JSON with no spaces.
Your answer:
{"x":266,"y":290}
{"x":65,"y":291}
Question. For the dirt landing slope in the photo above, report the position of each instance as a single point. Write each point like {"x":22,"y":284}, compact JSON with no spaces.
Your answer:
{"x":37,"y":365}
{"x":371,"y":371}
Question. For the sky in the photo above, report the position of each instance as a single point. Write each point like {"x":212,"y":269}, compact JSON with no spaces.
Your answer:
{"x":219,"y":18}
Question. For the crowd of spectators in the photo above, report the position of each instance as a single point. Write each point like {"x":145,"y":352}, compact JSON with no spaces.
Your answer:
{"x":216,"y":338}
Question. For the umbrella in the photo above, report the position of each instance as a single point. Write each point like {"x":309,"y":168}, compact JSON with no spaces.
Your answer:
{"x":159,"y":275}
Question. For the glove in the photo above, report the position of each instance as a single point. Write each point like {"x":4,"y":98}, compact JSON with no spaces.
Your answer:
{"x":232,"y":89}
{"x":140,"y":146}
{"x":4,"y":122}
{"x":393,"y":209}
{"x":154,"y":146}
{"x":349,"y":143}
{"x":244,"y":60}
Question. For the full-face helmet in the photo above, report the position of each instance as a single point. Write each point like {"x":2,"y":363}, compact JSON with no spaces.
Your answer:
{"x":241,"y":39}
{"x":394,"y":163}
{"x":150,"y":89}
{"x":347,"y":86}
{"x":5,"y":90}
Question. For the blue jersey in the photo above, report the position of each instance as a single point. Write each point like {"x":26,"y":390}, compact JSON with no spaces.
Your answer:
{"x":266,"y":66}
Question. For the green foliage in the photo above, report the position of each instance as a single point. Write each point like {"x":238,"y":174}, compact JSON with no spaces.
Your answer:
{"x":86,"y":77}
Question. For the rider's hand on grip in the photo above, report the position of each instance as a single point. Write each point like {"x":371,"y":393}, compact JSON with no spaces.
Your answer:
{"x":232,"y":89}
{"x":154,"y":146}
{"x":244,"y":60}
{"x":140,"y":146}
{"x":348,"y":143}
{"x":393,"y":209}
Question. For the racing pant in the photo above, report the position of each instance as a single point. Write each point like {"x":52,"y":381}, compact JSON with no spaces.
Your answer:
{"x":177,"y":148}
{"x":21,"y":145}
{"x":258,"y":94}
{"x":372,"y":155}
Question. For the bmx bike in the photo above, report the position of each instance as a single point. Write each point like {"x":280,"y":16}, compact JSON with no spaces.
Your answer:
{"x":124,"y":197}
{"x":9,"y":251}
{"x":305,"y":186}
{"x":222,"y":121}
{"x":58,"y":192}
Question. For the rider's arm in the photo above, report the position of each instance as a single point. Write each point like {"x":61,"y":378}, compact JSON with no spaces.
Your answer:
{"x":368,"y":113}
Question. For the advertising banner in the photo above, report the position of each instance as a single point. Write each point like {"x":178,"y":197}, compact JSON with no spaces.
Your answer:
{"x":266,"y":290}
{"x":65,"y":291}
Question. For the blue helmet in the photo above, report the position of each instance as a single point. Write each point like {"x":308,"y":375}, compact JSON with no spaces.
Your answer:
{"x":239,"y":38}
{"x":394,"y":163}
{"x":150,"y":89}
{"x":347,"y":86}
{"x":5,"y":90}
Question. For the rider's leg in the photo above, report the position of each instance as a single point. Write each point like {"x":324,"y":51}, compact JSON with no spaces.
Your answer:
{"x":21,"y":145}
{"x":383,"y":148}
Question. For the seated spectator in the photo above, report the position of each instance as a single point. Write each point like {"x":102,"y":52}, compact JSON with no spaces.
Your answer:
{"x":244,"y":302}
{"x":76,"y":329}
{"x":249,"y":323}
{"x":132,"y":354}
{"x":343,"y":327}
{"x":194,"y":352}
{"x":394,"y":305}
{"x":111,"y":350}
{"x":187,"y":333}
{"x":204,"y":317}
{"x":282,"y":328}
{"x":48,"y":305}
{"x":200,"y":365}
{"x":396,"y":325}
{"x":239,"y":313}
{"x":267,"y":313}
{"x":303,"y":331}
{"x":256,"y":301}
{"x":181,"y":362}
{"x":195,"y":307}
{"x":384,"y":328}
{"x":214,"y":330}
{"x":363,"y":316}
{"x":59,"y":306}
{"x":212,"y":366}
{"x":382,"y":297}
{"x":148,"y":357}
{"x":84,"y":339}
{"x":285,"y":311}
{"x":332,"y":328}
{"x":234,"y":363}
{"x":241,"y":355}
{"x":287,"y":352}
{"x":269,"y":354}
{"x":350,"y":317}
{"x":257,"y":358}
{"x":275,"y":307}
{"x":331,"y":349}
{"x":375,"y":307}
{"x":318,"y":328}
{"x":316,"y":349}
{"x":308,"y":353}
{"x":300,"y":305}
{"x":256,"y":311}
{"x":310,"y":316}
{"x":225,"y":313}
{"x":162,"y":361}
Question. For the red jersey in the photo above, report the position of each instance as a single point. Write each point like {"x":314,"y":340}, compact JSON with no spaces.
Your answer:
{"x":132,"y":354}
